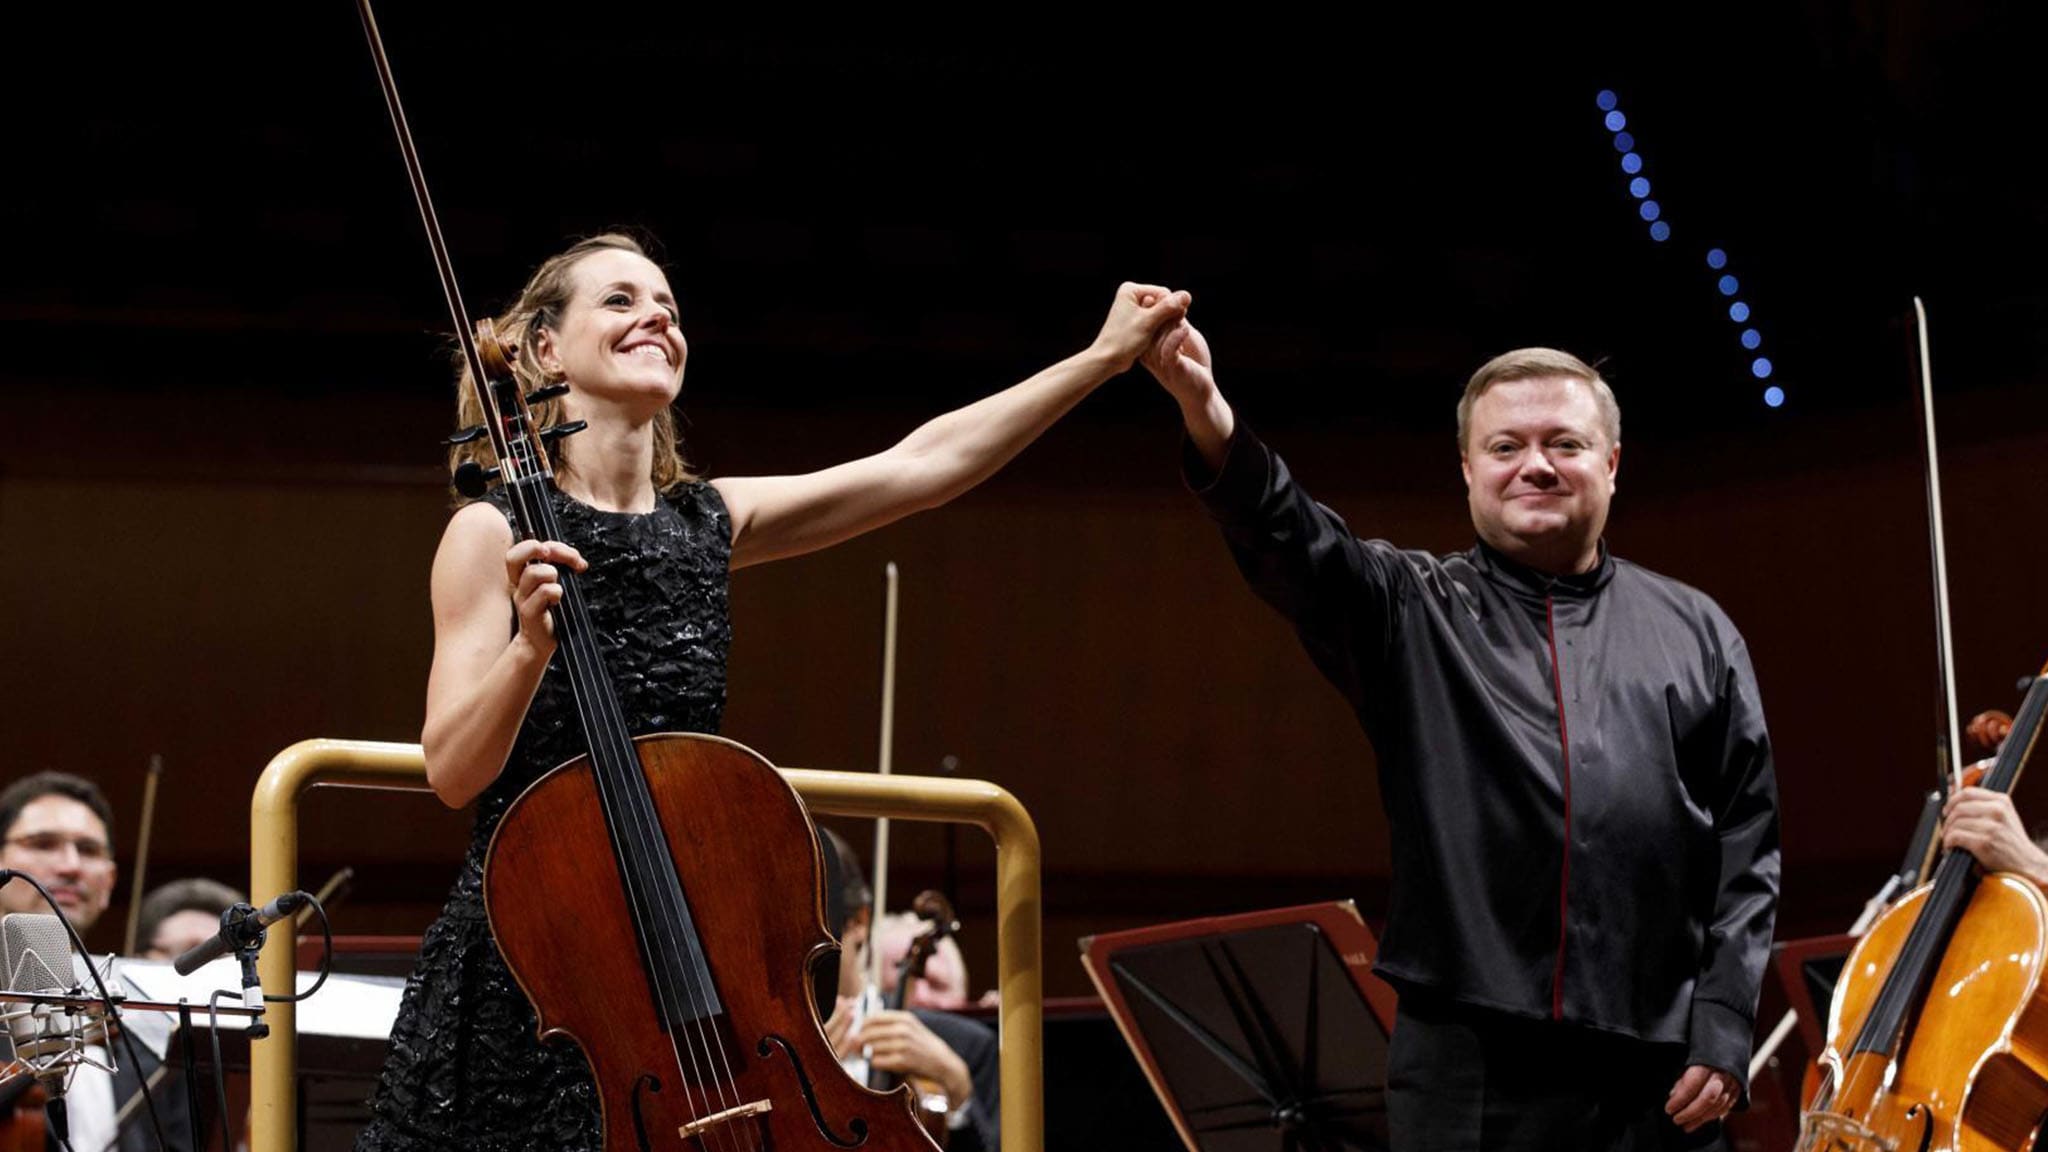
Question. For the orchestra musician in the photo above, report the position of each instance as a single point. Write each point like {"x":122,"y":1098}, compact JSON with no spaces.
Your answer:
{"x":1985,"y":823}
{"x":653,"y":544}
{"x":1573,"y":760}
{"x":958,"y":1054}
{"x":58,"y":827}
{"x":181,"y":915}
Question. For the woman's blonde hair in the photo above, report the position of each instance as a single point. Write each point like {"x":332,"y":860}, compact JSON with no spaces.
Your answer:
{"x":541,"y":305}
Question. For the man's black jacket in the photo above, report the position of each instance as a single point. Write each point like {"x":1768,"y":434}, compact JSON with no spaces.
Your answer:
{"x":1512,"y":713}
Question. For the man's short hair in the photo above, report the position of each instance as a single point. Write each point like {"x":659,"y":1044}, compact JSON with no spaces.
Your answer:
{"x":1534,"y":364}
{"x":30,"y":789}
{"x":197,"y":894}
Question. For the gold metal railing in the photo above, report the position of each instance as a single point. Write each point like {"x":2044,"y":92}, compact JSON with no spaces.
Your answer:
{"x":274,"y":856}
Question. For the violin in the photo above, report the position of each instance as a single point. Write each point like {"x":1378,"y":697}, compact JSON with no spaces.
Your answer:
{"x":658,"y":899}
{"x":934,"y":908}
{"x":933,"y":1102}
{"x":22,"y":1126}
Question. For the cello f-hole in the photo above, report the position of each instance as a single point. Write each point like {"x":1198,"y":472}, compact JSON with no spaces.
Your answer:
{"x":857,"y":1126}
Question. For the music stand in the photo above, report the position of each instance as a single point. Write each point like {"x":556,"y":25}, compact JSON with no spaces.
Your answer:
{"x":1260,"y":1031}
{"x":341,"y":1036}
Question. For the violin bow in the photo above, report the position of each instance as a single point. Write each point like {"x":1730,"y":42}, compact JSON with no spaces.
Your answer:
{"x":149,"y":783}
{"x":881,"y":884}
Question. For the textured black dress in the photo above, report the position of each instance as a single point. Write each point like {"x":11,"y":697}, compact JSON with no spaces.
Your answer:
{"x":465,"y":1071}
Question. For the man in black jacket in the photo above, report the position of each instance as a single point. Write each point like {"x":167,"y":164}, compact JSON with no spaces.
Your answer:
{"x":1574,"y":764}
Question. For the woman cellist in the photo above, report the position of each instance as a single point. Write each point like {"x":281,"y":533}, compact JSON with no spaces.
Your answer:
{"x":653,"y":544}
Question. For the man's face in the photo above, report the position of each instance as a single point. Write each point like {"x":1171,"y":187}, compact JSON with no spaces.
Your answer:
{"x":61,"y":843}
{"x":1539,"y":472}
{"x":179,"y":933}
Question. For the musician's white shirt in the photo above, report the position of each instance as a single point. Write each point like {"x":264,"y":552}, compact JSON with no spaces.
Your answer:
{"x":89,"y":1105}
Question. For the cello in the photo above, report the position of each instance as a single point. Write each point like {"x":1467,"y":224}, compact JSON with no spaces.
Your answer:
{"x":1938,"y":1034}
{"x":659,"y":899}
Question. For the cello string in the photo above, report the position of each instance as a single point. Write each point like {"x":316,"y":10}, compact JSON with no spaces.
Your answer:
{"x":660,"y":911}
{"x":609,"y":742}
{"x":571,"y":627}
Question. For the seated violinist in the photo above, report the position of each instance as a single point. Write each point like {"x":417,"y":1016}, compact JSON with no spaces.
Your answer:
{"x":955,"y":1053}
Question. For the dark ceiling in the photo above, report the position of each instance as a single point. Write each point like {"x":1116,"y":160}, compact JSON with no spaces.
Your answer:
{"x":902,"y":214}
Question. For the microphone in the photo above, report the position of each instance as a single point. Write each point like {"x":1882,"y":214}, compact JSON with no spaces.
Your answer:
{"x":49,"y":1040}
{"x":241,"y":926}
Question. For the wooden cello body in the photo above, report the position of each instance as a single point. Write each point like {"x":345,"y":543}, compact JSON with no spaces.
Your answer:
{"x":1976,"y":1065}
{"x":758,"y":1073}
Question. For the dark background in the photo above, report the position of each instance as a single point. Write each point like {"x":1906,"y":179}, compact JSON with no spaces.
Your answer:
{"x":225,"y":375}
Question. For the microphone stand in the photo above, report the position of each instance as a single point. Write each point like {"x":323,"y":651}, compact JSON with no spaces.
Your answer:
{"x":252,"y":986}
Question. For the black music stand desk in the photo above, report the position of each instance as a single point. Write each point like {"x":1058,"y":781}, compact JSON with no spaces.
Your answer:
{"x":1260,"y":1031}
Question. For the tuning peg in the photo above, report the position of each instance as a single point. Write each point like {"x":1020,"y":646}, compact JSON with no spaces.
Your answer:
{"x":473,"y":479}
{"x":473,"y":432}
{"x":560,"y":430}
{"x":547,"y":392}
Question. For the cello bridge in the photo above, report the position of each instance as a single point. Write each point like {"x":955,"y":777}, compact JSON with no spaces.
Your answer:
{"x":704,"y":1124}
{"x":1834,"y":1132}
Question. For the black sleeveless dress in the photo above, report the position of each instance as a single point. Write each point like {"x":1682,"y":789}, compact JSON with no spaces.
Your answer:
{"x":464,"y":1070}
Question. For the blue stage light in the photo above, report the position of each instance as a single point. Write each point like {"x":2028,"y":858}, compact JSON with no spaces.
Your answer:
{"x":1631,"y":163}
{"x":1762,"y":367}
{"x":1729,"y":285}
{"x":1660,"y":231}
{"x":1738,"y":311}
{"x":1616,"y":121}
{"x":1639,"y":187}
{"x":1649,"y":210}
{"x":1623,"y":142}
{"x":1716,"y":258}
{"x":1606,"y":100}
{"x":1774,"y":396}
{"x":1751,"y":338}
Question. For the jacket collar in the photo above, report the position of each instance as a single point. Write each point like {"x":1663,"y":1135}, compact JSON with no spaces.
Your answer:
{"x":1522,"y":578}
